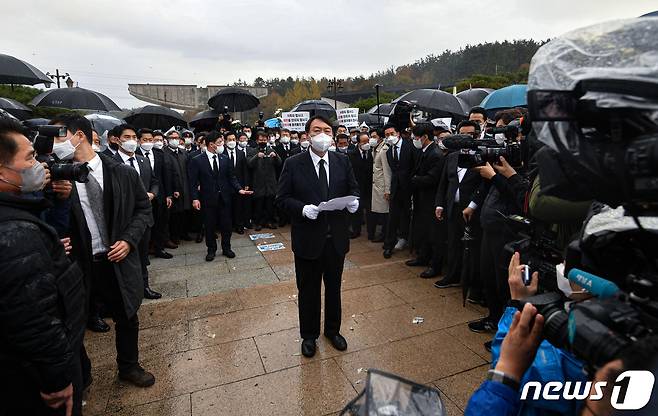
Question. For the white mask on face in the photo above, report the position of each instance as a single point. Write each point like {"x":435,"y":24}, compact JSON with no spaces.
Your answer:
{"x":285,"y":140}
{"x":158,"y":145}
{"x":220,"y":149}
{"x":342,"y":149}
{"x":365,"y":147}
{"x":354,"y":138}
{"x":294,"y":141}
{"x":305,"y":144}
{"x":392,"y":140}
{"x":64,"y":150}
{"x":242,"y":145}
{"x":230,"y":145}
{"x":147,"y":146}
{"x":188,"y":140}
{"x":332,"y":148}
{"x":95,"y":147}
{"x":181,"y":147}
{"x":372,"y":142}
{"x":321,"y":142}
{"x":129,"y":145}
{"x":418,"y":143}
{"x":248,"y":135}
{"x":173,"y":143}
{"x":272,"y":140}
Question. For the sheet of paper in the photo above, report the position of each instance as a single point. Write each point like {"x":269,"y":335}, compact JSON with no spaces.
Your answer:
{"x":337,"y":203}
{"x":270,"y":247}
{"x":254,"y":237}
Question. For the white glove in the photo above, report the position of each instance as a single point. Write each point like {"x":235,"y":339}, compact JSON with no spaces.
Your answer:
{"x":353,"y":206}
{"x":311,"y":211}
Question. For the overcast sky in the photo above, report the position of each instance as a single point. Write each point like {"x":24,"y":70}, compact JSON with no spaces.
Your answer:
{"x":106,"y":45}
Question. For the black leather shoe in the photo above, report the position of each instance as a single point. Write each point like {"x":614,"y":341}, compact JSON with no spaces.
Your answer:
{"x":388,"y":254}
{"x":163,"y":254}
{"x":151,"y":294}
{"x":210,"y":256}
{"x":199,"y":238}
{"x":379,"y":239}
{"x":338,"y":342}
{"x":482,"y":325}
{"x":138,"y":377}
{"x":415,"y":262}
{"x":429,"y":273}
{"x":445,"y":283}
{"x":355,"y":235}
{"x":487,"y":346}
{"x":187,"y":237}
{"x":248,"y":227}
{"x":170,"y":244}
{"x":272,"y":226}
{"x":228,"y":253}
{"x":240,"y":230}
{"x":97,"y":324}
{"x":258,"y":227}
{"x":308,"y":348}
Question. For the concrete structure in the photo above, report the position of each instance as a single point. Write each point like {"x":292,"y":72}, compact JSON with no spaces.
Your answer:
{"x":183,"y":97}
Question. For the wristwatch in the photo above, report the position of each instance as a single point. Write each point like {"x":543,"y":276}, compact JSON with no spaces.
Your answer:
{"x":500,"y":377}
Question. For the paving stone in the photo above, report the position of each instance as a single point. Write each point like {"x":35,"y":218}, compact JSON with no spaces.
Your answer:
{"x":169,"y":290}
{"x":460,"y":387}
{"x":212,"y":284}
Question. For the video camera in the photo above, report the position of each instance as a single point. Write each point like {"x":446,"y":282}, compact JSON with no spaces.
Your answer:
{"x":477,"y":152}
{"x":43,"y":147}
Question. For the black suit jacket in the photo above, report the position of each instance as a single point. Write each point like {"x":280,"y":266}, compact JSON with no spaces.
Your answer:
{"x":425,"y":181}
{"x":161,"y":173}
{"x":212,"y":186}
{"x":445,"y":195}
{"x":149,"y":180}
{"x":363,"y":174}
{"x":298,"y":186}
{"x":401,"y":170}
{"x":241,"y":169}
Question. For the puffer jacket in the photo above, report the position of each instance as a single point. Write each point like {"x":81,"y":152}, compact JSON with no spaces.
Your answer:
{"x":42,"y":315}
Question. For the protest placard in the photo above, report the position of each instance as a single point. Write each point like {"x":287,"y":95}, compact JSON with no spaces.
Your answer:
{"x":270,"y":247}
{"x":254,"y":237}
{"x":348,"y":117}
{"x":295,"y":120}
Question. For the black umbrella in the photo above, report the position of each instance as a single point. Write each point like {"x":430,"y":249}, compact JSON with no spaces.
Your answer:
{"x":5,"y":114}
{"x":75,"y":99}
{"x":35,"y":122}
{"x":15,"y":108}
{"x":15,"y":71}
{"x":205,"y":120}
{"x":155,"y":117}
{"x":437,"y":102}
{"x":471,"y":245}
{"x":236,"y":99}
{"x":474,"y":96}
{"x":385,"y":109}
{"x":316,"y":107}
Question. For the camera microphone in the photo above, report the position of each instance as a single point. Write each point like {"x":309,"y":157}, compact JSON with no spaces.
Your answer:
{"x":597,"y":286}
{"x":460,"y":141}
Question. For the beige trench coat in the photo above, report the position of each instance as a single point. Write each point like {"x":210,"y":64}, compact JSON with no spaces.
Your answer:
{"x":381,"y":179}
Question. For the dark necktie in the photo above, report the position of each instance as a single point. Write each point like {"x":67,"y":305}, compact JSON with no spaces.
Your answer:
{"x":215,"y":167}
{"x":324,"y":184}
{"x":131,"y":160}
{"x":365,"y":156}
{"x":395,"y":153}
{"x":232,"y":158}
{"x":95,"y":197}
{"x":146,"y":155}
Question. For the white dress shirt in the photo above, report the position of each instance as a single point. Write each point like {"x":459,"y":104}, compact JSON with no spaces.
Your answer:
{"x":231,"y":154}
{"x":126,"y":160}
{"x":210,"y":156}
{"x":150,"y":157}
{"x":96,"y":170}
{"x":316,"y":163}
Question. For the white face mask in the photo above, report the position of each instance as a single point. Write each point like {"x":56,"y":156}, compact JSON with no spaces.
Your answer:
{"x":305,"y":144}
{"x":220,"y":149}
{"x":173,"y":143}
{"x":181,"y":147}
{"x":230,"y":145}
{"x":158,"y":145}
{"x":392,"y":140}
{"x":321,"y":142}
{"x":242,"y":145}
{"x":365,"y":147}
{"x":64,"y":150}
{"x":332,"y":148}
{"x":285,"y":140}
{"x":354,"y":139}
{"x":441,"y":145}
{"x":147,"y":146}
{"x":499,"y":138}
{"x":188,"y":140}
{"x":418,"y":143}
{"x":294,"y":141}
{"x":272,"y":140}
{"x":248,"y":134}
{"x":372,"y":142}
{"x":129,"y":145}
{"x":95,"y":147}
{"x":342,"y":149}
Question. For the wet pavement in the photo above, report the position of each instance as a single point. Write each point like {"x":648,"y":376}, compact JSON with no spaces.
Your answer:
{"x":224,"y":340}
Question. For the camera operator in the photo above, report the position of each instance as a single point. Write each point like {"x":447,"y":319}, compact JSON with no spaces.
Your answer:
{"x":41,"y":292}
{"x":501,"y":194}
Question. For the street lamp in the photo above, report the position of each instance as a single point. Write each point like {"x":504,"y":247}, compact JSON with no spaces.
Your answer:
{"x":57,"y":76}
{"x":377,"y":87}
{"x":335,"y":85}
{"x":69,"y":82}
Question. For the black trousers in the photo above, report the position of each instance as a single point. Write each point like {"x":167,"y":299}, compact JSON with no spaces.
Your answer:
{"x":217,"y":217}
{"x":176,"y":225}
{"x":455,"y":244}
{"x":494,"y":261}
{"x":193,"y":220}
{"x":126,"y":327}
{"x":399,"y":216}
{"x":363,"y":215}
{"x":159,"y":234}
{"x":378,"y":218}
{"x":439,"y":231}
{"x":263,"y":209}
{"x":241,"y":209}
{"x":144,"y":255}
{"x":309,"y":275}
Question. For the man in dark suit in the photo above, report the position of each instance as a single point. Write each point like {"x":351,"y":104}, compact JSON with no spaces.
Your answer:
{"x":109,"y":215}
{"x":176,"y":157}
{"x":425,"y":180}
{"x":456,"y":191}
{"x":247,"y":208}
{"x":320,"y":240}
{"x":361,"y":159}
{"x":127,"y":137}
{"x":155,"y":157}
{"x":401,"y":156}
{"x":213,"y":184}
{"x":238,"y":159}
{"x":284,"y":149}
